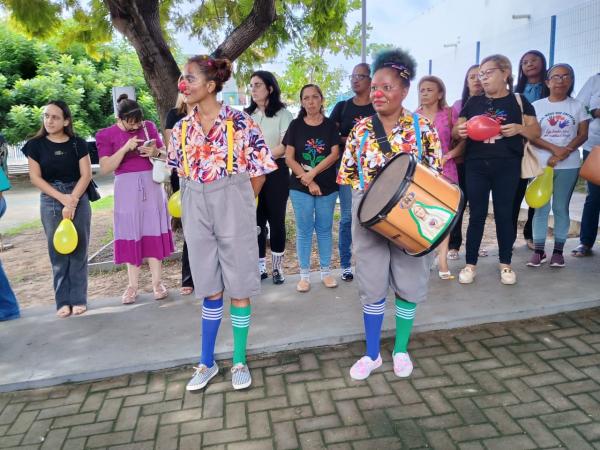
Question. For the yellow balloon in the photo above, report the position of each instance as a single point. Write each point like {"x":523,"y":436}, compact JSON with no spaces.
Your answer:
{"x":65,"y":237}
{"x":174,"y":205}
{"x":539,"y":191}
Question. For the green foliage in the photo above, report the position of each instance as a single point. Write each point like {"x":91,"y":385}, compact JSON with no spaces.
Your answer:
{"x":104,"y":204}
{"x":308,"y":67}
{"x":375,"y":48}
{"x":83,"y":83}
{"x":314,"y":25}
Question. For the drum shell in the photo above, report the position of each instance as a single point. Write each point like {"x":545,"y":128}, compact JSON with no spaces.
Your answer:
{"x":421,"y":213}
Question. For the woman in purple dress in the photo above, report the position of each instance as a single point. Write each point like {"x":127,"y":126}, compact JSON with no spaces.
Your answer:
{"x":141,"y":223}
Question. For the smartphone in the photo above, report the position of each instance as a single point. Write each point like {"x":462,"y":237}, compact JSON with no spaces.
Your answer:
{"x":149,"y":142}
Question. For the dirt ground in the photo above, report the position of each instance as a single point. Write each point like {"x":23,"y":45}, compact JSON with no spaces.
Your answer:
{"x":28,"y":266}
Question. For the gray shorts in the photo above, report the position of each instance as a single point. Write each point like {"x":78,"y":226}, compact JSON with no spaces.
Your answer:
{"x":219,"y":225}
{"x":381,"y":265}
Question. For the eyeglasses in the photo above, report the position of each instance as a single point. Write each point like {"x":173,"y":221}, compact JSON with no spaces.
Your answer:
{"x":565,"y":77}
{"x":255,"y":85}
{"x":384,"y":88}
{"x":487,"y":73}
{"x":358,"y":77}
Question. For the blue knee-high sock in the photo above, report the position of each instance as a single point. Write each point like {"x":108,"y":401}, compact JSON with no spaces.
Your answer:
{"x":212,"y":313}
{"x":373,"y":318}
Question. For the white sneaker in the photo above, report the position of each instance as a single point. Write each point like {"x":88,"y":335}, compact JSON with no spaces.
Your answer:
{"x":508,"y":276}
{"x":363,"y":367}
{"x":466,"y":275}
{"x":403,"y":366}
{"x":240,"y":376}
{"x":202,"y":376}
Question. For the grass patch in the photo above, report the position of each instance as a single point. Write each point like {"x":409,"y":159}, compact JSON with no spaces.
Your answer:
{"x":104,"y":203}
{"x":34,"y":224}
{"x":108,"y":236}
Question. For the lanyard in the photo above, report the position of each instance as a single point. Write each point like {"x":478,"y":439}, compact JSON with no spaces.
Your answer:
{"x":186,"y":165}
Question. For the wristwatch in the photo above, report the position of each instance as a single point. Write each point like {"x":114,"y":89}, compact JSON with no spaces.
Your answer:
{"x":593,"y":112}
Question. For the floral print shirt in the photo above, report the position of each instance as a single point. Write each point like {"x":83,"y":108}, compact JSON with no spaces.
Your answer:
{"x":402,"y":139}
{"x":207,"y":153}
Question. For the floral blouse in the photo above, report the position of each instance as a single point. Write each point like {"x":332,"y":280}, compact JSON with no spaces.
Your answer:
{"x":402,"y":139}
{"x":207,"y":153}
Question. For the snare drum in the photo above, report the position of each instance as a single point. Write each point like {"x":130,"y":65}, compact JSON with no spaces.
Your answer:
{"x":410,"y":204}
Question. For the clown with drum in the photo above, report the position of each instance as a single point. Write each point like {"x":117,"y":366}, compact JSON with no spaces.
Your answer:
{"x":380,"y":264}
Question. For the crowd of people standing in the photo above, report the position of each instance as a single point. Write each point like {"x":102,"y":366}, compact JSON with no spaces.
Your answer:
{"x":237,"y":169}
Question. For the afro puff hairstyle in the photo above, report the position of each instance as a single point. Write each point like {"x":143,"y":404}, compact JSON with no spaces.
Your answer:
{"x":398,"y":59}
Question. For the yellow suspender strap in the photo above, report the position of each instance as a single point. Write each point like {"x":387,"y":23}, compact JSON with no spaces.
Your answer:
{"x":186,"y":166}
{"x":229,"y":146}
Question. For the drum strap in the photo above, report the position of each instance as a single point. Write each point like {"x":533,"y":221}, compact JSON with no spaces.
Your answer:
{"x":381,"y":136}
{"x":418,"y":136}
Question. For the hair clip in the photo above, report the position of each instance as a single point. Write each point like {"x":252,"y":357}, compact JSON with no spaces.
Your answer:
{"x":404,"y":72}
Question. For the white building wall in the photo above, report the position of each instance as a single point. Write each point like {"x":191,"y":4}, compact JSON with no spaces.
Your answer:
{"x":462,"y":23}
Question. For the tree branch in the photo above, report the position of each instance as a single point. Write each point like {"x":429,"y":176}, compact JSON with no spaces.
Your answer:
{"x":261,"y":17}
{"x":139,"y":22}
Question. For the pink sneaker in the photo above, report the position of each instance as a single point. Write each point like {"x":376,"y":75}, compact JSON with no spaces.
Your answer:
{"x":403,"y":366}
{"x":363,"y":367}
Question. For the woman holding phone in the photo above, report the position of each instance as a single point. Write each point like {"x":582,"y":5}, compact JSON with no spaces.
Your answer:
{"x":142,"y":229}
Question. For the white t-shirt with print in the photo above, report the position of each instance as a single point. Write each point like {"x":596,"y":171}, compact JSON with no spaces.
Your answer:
{"x":559,"y":122}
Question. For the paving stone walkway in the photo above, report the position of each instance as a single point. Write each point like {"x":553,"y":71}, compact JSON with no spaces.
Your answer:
{"x":517,"y":385}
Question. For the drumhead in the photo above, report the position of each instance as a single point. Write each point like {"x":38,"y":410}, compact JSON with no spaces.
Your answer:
{"x":386,"y":189}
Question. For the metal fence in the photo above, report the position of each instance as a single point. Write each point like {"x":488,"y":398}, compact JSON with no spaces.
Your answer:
{"x":17,"y":161}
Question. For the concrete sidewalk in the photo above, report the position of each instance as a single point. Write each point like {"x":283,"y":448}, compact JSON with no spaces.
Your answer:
{"x":112,"y":339}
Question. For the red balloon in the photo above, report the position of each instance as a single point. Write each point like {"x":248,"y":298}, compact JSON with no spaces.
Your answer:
{"x":480,"y":128}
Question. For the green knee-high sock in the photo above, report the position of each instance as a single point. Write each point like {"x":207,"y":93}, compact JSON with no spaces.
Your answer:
{"x":405,"y":314}
{"x":240,"y":320}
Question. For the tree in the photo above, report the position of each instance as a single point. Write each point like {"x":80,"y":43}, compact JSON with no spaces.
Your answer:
{"x":310,"y":67}
{"x":268,"y":23}
{"x":374,"y":48}
{"x":37,"y":72}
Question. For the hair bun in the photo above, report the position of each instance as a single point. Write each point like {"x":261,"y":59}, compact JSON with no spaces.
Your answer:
{"x":122,"y":97}
{"x":223,"y":69}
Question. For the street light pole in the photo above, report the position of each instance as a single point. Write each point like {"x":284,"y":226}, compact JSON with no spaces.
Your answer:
{"x":364,"y":32}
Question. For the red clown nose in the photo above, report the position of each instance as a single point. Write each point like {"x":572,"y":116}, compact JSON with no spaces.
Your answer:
{"x":378,"y":94}
{"x":181,"y":86}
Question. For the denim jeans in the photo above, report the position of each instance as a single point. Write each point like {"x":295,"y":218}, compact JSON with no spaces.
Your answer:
{"x":345,"y":232}
{"x":501,"y":176}
{"x":313,"y":213}
{"x":591,"y":211}
{"x":70,"y":271}
{"x":456,"y":233}
{"x":9,"y":308}
{"x":564,"y":183}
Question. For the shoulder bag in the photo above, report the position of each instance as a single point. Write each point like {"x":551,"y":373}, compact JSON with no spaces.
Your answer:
{"x":160,"y":172}
{"x":92,"y":189}
{"x":530,"y":166}
{"x":590,"y":169}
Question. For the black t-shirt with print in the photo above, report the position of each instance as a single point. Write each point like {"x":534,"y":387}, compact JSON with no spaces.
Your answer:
{"x":312,"y":145}
{"x":346,"y":114}
{"x":173,"y":116}
{"x":58,"y":161}
{"x":504,"y":110}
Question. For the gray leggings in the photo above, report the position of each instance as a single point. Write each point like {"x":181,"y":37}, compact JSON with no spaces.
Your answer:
{"x":70,"y":271}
